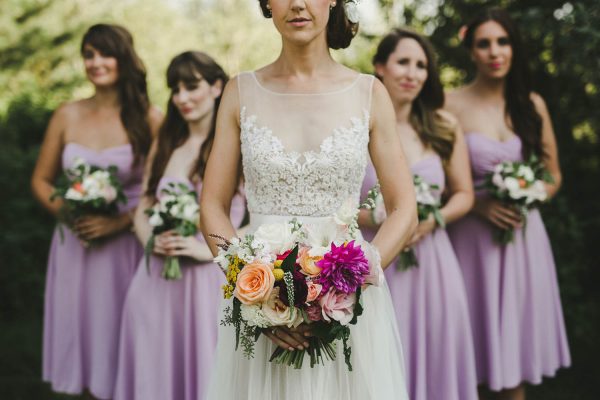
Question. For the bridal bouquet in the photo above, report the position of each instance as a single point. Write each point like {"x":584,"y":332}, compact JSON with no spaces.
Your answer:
{"x":176,"y":209}
{"x":427,"y":204}
{"x":290,"y":273}
{"x":519,"y":184}
{"x":87,"y":189}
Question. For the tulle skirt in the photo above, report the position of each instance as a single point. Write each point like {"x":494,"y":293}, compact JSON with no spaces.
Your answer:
{"x":378,"y":371}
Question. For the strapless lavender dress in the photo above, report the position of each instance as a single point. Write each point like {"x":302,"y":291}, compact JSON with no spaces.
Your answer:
{"x":431,"y":309}
{"x":169,"y":330}
{"x":512,"y":290}
{"x":85,"y":290}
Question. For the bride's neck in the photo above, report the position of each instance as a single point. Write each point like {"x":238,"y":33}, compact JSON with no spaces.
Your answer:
{"x":305,"y":60}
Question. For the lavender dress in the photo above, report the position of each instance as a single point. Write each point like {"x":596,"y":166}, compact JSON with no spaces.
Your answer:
{"x":512,"y":290}
{"x":431,"y":309}
{"x":85,"y":290}
{"x":169,"y":330}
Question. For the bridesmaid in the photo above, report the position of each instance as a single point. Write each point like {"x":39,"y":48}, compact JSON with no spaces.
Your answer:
{"x":86,"y":286}
{"x":430,"y":301}
{"x":512,"y":290}
{"x":169,"y":330}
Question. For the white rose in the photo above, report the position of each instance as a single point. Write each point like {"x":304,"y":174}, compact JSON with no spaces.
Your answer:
{"x":346,"y":214}
{"x":155,"y":220}
{"x":110,"y":194}
{"x":175,"y":210}
{"x":526,"y":173}
{"x":278,"y":313}
{"x":190,"y":212}
{"x":277,"y":238}
{"x":320,"y":236}
{"x":511,"y":184}
{"x":73,"y":194}
{"x":498,"y":181}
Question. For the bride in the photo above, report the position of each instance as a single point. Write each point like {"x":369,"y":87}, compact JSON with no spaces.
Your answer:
{"x":303,"y":128}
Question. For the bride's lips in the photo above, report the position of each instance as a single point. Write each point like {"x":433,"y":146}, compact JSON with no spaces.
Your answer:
{"x":298,"y":22}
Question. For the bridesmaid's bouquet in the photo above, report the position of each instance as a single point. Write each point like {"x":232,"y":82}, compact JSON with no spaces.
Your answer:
{"x":87,"y":189}
{"x":176,"y":209}
{"x":290,"y":273}
{"x":427,"y":204}
{"x":519,"y":184}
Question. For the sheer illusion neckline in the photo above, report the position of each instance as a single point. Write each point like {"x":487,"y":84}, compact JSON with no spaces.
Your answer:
{"x":321,"y":148}
{"x":337,"y":91}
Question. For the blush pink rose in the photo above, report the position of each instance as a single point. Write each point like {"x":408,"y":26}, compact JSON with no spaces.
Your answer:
{"x":254,"y":283}
{"x":308,"y":263}
{"x":338,"y":306}
{"x":314,"y":290}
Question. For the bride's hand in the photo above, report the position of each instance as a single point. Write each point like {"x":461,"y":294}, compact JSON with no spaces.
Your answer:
{"x":289,"y":338}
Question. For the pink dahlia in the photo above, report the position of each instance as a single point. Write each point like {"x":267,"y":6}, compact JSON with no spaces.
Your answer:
{"x":343,"y":267}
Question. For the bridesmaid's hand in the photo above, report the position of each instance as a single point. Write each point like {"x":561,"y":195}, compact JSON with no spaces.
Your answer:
{"x":498,"y":214}
{"x":289,"y":338}
{"x":423,"y":229}
{"x":173,"y":244}
{"x":94,"y":227}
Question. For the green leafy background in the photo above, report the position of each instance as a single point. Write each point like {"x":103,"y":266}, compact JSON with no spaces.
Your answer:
{"x":40,"y":68}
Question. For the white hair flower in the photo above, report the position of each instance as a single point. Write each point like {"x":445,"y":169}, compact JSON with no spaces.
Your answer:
{"x":352,"y":11}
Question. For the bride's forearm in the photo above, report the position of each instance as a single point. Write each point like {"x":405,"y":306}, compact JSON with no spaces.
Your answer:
{"x":214,"y":220}
{"x":393,"y":234}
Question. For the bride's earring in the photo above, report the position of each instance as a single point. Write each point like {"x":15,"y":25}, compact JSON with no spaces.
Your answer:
{"x":269,"y":13}
{"x":331,"y":6}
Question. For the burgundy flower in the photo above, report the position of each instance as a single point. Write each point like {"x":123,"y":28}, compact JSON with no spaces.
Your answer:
{"x":314,"y":312}
{"x":300,"y":289}
{"x":343,"y":267}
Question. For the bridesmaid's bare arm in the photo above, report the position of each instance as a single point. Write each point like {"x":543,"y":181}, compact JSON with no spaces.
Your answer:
{"x":48,"y":164}
{"x":549,"y":148}
{"x":394,"y":176}
{"x":221,"y":175}
{"x":458,"y":177}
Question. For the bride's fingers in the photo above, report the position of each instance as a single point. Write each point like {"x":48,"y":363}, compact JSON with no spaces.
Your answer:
{"x":291,"y":339}
{"x":275,"y":339}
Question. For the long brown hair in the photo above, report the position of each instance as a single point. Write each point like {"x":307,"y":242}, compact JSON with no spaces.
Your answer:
{"x":116,"y":41}
{"x":524,"y":118}
{"x":188,"y":67}
{"x":434,"y":129}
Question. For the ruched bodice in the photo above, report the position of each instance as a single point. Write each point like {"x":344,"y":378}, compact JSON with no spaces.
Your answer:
{"x":485,"y":153}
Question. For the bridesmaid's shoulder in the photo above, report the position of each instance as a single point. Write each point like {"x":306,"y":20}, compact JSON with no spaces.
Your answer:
{"x":539,"y":103}
{"x":71,"y":110}
{"x":155,"y":119}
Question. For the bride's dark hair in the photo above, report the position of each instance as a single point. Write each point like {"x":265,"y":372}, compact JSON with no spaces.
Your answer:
{"x":116,"y":41}
{"x":189,"y":67}
{"x":434,"y":128}
{"x":525,"y":120}
{"x":340,"y":31}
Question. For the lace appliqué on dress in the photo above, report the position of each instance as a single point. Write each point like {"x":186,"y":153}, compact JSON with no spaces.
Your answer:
{"x":311,"y":183}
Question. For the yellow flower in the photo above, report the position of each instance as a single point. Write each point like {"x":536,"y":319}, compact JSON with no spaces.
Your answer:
{"x":277,"y":263}
{"x":227,"y":291}
{"x":278,"y":272}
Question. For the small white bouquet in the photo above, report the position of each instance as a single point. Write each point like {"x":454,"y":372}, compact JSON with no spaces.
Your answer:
{"x":176,"y":209}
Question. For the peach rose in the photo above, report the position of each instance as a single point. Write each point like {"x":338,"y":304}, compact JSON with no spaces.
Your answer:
{"x":308,"y":263}
{"x":314,"y":290}
{"x":254,"y":283}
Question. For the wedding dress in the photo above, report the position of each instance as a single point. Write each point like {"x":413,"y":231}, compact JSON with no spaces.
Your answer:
{"x":303,"y":156}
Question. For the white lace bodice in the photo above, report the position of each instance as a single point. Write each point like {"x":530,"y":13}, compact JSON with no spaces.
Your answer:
{"x":312,"y":182}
